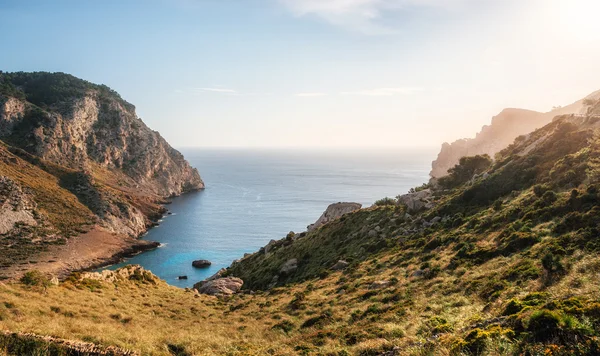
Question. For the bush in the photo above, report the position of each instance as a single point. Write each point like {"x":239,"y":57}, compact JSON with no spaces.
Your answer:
{"x":385,"y":202}
{"x":544,"y":325}
{"x":466,"y":168}
{"x":35,"y":278}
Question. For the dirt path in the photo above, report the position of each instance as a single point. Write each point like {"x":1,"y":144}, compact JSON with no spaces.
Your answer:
{"x":93,"y":249}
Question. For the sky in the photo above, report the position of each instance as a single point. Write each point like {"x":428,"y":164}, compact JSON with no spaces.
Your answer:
{"x":314,"y":73}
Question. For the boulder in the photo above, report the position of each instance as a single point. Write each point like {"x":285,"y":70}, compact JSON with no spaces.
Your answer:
{"x":220,"y":274}
{"x":333,"y":212}
{"x":272,"y":245}
{"x":220,"y":286}
{"x":201,"y":263}
{"x":417,"y":201}
{"x":289,"y":267}
{"x":380,"y":284}
{"x":418,"y":273}
{"x":372,"y":233}
{"x":340,"y":265}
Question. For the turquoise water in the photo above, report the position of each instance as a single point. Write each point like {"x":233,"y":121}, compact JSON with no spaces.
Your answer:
{"x":254,"y":196}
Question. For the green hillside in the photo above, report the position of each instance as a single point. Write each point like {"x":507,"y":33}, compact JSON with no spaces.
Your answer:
{"x":505,"y":263}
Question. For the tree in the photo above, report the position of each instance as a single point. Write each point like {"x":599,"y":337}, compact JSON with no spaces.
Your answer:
{"x":466,"y":168}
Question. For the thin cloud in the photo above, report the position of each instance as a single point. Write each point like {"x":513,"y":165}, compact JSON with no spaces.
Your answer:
{"x":358,"y":15}
{"x":385,"y":91}
{"x":218,"y":90}
{"x":309,"y":95}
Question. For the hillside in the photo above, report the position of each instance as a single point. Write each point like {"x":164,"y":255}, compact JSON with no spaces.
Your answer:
{"x":78,"y":168}
{"x":504,"y":129}
{"x":502,"y":259}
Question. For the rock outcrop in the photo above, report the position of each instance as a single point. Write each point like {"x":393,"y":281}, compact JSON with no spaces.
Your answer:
{"x":417,"y":201}
{"x":290,"y":266}
{"x":130,"y":272}
{"x":16,"y":207}
{"x":334,"y":211}
{"x":219,"y":286}
{"x":201,"y":263}
{"x":504,"y":129}
{"x":79,"y":152}
{"x":92,"y":127}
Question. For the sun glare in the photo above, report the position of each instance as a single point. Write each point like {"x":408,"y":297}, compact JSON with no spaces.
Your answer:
{"x":579,"y":18}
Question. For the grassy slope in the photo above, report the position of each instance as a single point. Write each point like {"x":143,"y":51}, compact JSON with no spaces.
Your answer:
{"x":513,"y":269}
{"x":65,"y":215}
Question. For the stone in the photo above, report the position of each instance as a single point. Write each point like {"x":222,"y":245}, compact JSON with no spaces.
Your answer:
{"x":201,"y":263}
{"x":220,"y":273}
{"x":54,"y":281}
{"x":380,"y":284}
{"x":372,"y":233}
{"x":340,"y":265}
{"x":220,"y":286}
{"x":417,"y":201}
{"x":333,"y":212}
{"x":271,"y":246}
{"x":436,"y":220}
{"x":418,"y":273}
{"x":290,"y":266}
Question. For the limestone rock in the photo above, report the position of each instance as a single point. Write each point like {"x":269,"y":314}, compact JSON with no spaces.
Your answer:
{"x":220,"y":286}
{"x":130,"y":272}
{"x":340,"y":265}
{"x":16,"y":206}
{"x":379,"y":284}
{"x":290,"y":266}
{"x":334,"y":211}
{"x":417,"y":201}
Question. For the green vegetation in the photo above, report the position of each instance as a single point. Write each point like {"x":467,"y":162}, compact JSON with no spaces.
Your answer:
{"x":47,"y":90}
{"x":465,"y":170}
{"x":503,"y":264}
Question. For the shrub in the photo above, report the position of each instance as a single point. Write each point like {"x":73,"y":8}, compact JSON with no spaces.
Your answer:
{"x":35,"y":278}
{"x":286,"y":326}
{"x":544,"y":324}
{"x":385,"y":202}
{"x":466,"y":168}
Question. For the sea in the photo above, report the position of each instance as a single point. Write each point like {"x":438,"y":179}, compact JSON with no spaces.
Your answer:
{"x":255,"y":195}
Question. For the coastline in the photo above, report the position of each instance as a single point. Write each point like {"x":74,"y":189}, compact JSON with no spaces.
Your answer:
{"x":94,"y":249}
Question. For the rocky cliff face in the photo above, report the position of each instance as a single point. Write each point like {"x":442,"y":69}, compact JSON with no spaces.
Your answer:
{"x":505,"y":127}
{"x":334,"y":211}
{"x":75,"y":156}
{"x":95,"y":128}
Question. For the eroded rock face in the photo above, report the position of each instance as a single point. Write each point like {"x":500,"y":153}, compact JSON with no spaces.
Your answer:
{"x":219,"y":286}
{"x":16,"y":207}
{"x":12,"y":112}
{"x":91,"y":131}
{"x":334,"y":211}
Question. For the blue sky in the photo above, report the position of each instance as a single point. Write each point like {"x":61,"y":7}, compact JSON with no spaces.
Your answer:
{"x":308,"y":73}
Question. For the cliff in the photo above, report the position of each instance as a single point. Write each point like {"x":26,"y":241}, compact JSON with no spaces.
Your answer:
{"x":505,"y":262}
{"x":80,"y":125}
{"x":75,"y":157}
{"x":504,"y":129}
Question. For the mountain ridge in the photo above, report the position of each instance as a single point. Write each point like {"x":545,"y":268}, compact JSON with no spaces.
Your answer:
{"x":80,"y":151}
{"x":504,"y":128}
